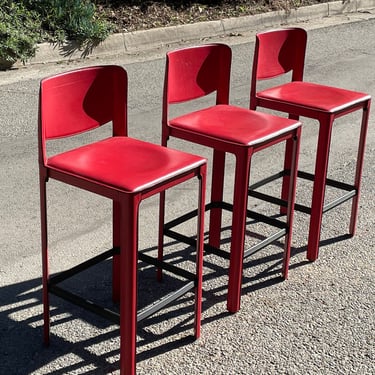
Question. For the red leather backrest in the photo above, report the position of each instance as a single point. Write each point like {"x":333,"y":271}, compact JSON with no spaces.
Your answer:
{"x":280,"y":51}
{"x":80,"y":100}
{"x":198,"y":71}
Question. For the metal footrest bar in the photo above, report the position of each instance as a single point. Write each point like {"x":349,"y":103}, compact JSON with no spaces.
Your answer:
{"x":61,"y":276}
{"x":113,"y":316}
{"x":168,"y":267}
{"x":108,"y":314}
{"x":267,"y":241}
{"x":187,"y":240}
{"x":266,"y":219}
{"x":163,"y":302}
{"x":268,"y":198}
{"x":229,"y":207}
{"x":181,"y":219}
{"x":250,"y":214}
{"x":329,"y":181}
{"x":267,"y":180}
{"x":351,"y":191}
{"x":339,"y":200}
{"x":278,"y":201}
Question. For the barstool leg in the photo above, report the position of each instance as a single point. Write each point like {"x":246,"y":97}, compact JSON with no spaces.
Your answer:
{"x":159,"y":271}
{"x":289,"y":147}
{"x":359,"y":167}
{"x":241,"y":183}
{"x":217,"y":188}
{"x":291,"y":200}
{"x":317,"y":203}
{"x":44,"y":240}
{"x":128,"y":286}
{"x":199,"y":251}
{"x":116,"y":232}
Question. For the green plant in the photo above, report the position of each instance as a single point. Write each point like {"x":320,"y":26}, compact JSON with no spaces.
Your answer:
{"x":25,"y":23}
{"x":19,"y":32}
{"x":76,"y":20}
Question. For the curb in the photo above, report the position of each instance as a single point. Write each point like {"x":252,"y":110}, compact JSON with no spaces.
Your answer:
{"x":135,"y":42}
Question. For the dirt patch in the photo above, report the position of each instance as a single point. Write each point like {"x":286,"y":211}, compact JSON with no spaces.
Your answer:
{"x":140,"y":15}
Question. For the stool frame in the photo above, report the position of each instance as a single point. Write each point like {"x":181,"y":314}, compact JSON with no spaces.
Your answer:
{"x":281,"y":51}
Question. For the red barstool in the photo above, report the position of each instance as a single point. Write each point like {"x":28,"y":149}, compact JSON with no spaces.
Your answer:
{"x":123,"y":169}
{"x":196,"y":72}
{"x":282,"y":52}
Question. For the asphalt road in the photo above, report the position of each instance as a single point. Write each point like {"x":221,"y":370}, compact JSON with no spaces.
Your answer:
{"x":321,"y":321}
